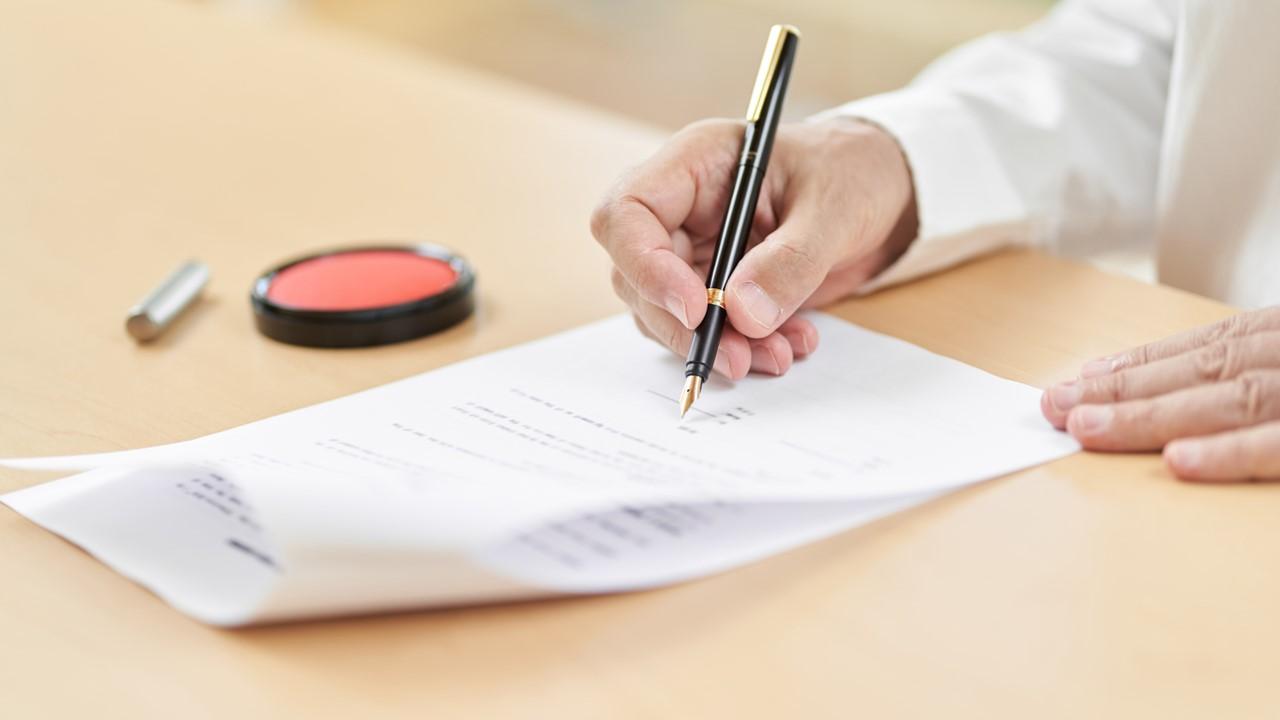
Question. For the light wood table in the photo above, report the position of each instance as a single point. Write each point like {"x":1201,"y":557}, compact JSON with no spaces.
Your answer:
{"x":133,"y":135}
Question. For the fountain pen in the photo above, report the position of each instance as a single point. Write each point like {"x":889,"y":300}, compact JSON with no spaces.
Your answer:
{"x":763,"y":115}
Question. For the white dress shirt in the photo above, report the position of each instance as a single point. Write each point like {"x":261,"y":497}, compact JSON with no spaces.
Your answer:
{"x":1107,"y":124}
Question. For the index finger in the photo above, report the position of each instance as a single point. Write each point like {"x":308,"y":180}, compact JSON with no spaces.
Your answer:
{"x":642,"y":249}
{"x":1174,"y":345}
{"x":635,"y":221}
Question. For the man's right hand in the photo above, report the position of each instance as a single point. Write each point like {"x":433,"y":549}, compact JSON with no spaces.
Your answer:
{"x":836,"y":208}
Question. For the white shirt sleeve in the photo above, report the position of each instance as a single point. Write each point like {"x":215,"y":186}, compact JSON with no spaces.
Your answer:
{"x":1047,"y":136}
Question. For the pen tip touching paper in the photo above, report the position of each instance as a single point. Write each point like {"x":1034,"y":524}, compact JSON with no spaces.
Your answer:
{"x":692,"y":389}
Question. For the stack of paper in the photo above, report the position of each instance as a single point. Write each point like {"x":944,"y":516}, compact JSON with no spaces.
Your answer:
{"x":554,"y":467}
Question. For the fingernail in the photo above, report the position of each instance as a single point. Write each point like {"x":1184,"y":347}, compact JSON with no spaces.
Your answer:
{"x":1184,"y":455}
{"x":675,"y":306}
{"x":1065,"y":396}
{"x":1102,"y":366}
{"x":1092,"y":419}
{"x":758,"y":304}
{"x":768,"y":361}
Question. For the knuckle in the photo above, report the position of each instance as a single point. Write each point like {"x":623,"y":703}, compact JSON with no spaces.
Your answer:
{"x":1230,"y":327}
{"x":1250,"y":396}
{"x":1111,"y":387}
{"x":1137,"y":415}
{"x":1235,"y":358}
{"x":1238,"y":324}
{"x":619,"y":282}
{"x":1266,"y":318}
{"x":1135,"y":419}
{"x":709,"y":126}
{"x":601,"y":216}
{"x":673,"y":337}
{"x":646,"y":275}
{"x":1210,"y":362}
{"x":1140,"y":355}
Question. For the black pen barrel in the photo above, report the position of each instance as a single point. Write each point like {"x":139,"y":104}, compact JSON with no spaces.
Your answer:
{"x":732,"y":245}
{"x":735,"y":234}
{"x":763,"y":117}
{"x":706,"y":340}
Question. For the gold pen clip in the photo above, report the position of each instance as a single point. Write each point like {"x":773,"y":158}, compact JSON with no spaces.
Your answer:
{"x":768,"y":68}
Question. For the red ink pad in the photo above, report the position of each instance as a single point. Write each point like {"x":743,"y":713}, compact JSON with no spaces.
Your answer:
{"x":364,"y":296}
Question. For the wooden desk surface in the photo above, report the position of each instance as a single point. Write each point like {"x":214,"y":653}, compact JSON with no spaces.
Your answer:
{"x":133,"y":135}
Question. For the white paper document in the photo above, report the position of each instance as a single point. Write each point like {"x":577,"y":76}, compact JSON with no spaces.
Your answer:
{"x":554,"y":467}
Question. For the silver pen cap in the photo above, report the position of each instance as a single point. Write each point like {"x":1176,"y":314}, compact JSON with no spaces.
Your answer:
{"x":157,"y":311}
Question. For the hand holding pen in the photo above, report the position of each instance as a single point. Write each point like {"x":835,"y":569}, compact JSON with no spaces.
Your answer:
{"x":835,"y":207}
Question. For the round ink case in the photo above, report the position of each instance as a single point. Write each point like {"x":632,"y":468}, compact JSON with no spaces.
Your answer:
{"x":362,"y":296}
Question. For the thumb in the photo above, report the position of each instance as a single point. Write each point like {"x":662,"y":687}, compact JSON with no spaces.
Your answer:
{"x":777,"y":276}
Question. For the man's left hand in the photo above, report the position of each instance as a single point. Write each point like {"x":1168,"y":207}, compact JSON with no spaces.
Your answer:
{"x":1210,"y":397}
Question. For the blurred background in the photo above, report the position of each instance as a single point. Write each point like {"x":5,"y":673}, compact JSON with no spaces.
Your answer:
{"x":669,"y":62}
{"x":666,"y":63}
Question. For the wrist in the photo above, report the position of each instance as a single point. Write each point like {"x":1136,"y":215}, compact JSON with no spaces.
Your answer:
{"x":878,"y":174}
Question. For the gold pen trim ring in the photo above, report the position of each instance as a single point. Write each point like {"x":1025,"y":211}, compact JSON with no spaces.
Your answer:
{"x":715,"y":297}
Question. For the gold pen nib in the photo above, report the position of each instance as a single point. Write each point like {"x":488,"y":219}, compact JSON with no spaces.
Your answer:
{"x":692,"y":389}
